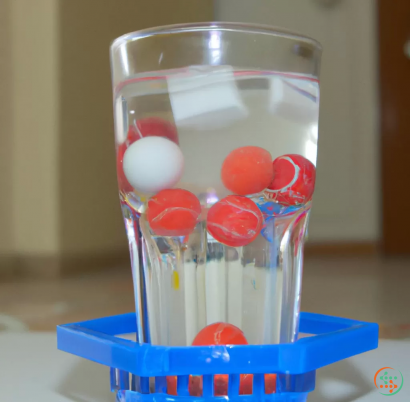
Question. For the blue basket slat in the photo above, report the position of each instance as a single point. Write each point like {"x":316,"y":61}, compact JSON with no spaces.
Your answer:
{"x":144,"y":385}
{"x":119,"y":379}
{"x":311,"y":323}
{"x":113,"y":380}
{"x":207,"y":386}
{"x":258,"y":385}
{"x":182,"y":385}
{"x":160,"y":385}
{"x":336,"y":339}
{"x":296,"y":383}
{"x":128,"y":396}
{"x":233,"y":384}
{"x":135,"y":383}
{"x":112,"y":325}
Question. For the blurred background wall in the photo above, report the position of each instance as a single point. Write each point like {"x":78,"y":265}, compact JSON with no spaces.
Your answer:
{"x":35,"y":137}
{"x":59,"y":209}
{"x":6,"y":221}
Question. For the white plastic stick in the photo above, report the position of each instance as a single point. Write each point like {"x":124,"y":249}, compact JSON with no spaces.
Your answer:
{"x":271,"y":314}
{"x":273,"y":297}
{"x":251,"y":304}
{"x":235,"y":284}
{"x":200,"y":277}
{"x":215,"y":285}
{"x":177,"y":302}
{"x":278,"y":303}
{"x":201,"y":295}
{"x":191,"y":305}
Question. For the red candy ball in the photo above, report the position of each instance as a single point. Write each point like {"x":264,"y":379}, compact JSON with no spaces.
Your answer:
{"x":235,"y":221}
{"x":293,"y":180}
{"x":220,"y":333}
{"x":247,"y":170}
{"x":173,"y":212}
{"x":155,"y":127}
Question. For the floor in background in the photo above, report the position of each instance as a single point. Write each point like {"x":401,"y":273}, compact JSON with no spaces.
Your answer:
{"x":369,"y":289}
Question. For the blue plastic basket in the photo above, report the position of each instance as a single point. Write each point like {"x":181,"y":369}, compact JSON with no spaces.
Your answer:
{"x":132,"y":364}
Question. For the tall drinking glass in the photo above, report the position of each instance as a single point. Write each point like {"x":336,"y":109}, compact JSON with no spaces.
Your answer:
{"x":216,"y":129}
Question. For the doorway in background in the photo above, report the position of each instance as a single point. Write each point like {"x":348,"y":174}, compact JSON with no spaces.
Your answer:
{"x":394,"y":59}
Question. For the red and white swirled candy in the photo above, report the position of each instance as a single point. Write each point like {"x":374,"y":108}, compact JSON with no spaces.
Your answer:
{"x":293,"y":180}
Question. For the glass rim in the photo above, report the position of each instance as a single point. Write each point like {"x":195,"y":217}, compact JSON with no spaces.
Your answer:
{"x":211,"y":26}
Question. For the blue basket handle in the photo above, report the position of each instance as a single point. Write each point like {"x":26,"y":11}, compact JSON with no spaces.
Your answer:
{"x":335,"y":340}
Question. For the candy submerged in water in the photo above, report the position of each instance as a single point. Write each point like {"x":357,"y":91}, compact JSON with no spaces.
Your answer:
{"x":173,"y":212}
{"x":153,"y":164}
{"x":235,"y":221}
{"x":220,"y":333}
{"x":123,"y":183}
{"x":154,"y":127}
{"x":293,"y":180}
{"x":148,"y":127}
{"x":225,"y":334}
{"x":247,"y":170}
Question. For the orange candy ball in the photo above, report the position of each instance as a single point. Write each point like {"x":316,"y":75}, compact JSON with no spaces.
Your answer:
{"x":220,"y":333}
{"x":173,"y":212}
{"x":247,"y":170}
{"x":235,"y":221}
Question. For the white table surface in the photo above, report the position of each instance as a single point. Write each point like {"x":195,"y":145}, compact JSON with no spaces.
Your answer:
{"x":33,"y":370}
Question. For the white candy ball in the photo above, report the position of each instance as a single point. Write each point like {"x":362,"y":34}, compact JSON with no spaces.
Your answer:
{"x":152,"y":164}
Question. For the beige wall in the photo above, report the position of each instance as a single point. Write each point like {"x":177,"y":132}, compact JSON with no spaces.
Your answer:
{"x":35,"y":131}
{"x":59,"y":205}
{"x":6,"y":221}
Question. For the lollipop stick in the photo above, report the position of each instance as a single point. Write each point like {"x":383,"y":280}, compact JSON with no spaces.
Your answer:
{"x":200,"y":277}
{"x":235,"y":284}
{"x":272,"y":297}
{"x":191,"y":305}
{"x":215,"y":283}
{"x":201,"y":293}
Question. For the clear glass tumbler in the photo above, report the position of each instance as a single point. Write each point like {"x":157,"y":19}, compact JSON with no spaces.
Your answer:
{"x":216,"y":129}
